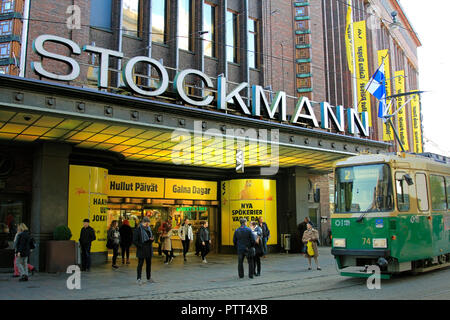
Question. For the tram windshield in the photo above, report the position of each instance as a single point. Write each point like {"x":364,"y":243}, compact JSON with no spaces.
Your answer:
{"x":366,"y":188}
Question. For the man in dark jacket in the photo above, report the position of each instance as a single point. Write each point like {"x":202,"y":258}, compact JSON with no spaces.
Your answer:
{"x":22,"y":251}
{"x":244,"y":241}
{"x":126,"y":239}
{"x":143,"y":240}
{"x":87,"y":235}
{"x":204,"y":239}
{"x":265,"y":234}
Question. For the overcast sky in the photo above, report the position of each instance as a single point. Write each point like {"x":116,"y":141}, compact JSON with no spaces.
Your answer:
{"x":430,"y":21}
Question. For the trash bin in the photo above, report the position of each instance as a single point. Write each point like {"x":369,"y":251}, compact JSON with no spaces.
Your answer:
{"x":287,"y":242}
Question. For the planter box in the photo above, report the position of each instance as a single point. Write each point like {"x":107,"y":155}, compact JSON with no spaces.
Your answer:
{"x":60,"y":255}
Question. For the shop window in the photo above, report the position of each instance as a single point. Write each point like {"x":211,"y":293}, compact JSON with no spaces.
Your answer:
{"x":4,"y":69}
{"x":5,"y":50}
{"x":131,"y":21}
{"x":159,"y":21}
{"x":185,"y":24}
{"x":12,"y":212}
{"x":422,"y":191}
{"x":101,"y":11}
{"x":209,"y":24}
{"x":232,"y":36}
{"x":438,"y":196}
{"x":7,"y":6}
{"x":402,"y":191}
{"x":6,"y":27}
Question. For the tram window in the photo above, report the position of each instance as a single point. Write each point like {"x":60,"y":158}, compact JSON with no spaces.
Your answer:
{"x":447,"y":184}
{"x":402,"y":191}
{"x":422,"y":191}
{"x":437,"y":189}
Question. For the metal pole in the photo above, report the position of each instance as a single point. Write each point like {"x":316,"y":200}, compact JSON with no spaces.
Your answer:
{"x":396,"y":134}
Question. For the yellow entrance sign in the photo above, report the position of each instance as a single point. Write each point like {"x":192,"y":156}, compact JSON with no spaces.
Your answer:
{"x":135,"y":187}
{"x":190,"y":189}
{"x":249,"y":199}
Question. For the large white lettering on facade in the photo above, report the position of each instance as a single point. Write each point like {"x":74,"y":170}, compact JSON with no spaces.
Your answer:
{"x":258,"y":96}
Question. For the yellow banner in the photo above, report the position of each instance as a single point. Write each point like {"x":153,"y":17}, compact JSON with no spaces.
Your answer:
{"x":250,"y":199}
{"x":137,"y":187}
{"x":362,"y":68}
{"x":88,"y":199}
{"x":401,"y":115}
{"x":349,"y":37}
{"x":417,"y":127}
{"x":388,"y":135}
{"x":190,"y":189}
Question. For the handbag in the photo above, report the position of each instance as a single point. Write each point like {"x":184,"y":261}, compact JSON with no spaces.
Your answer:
{"x":310,"y":249}
{"x":109,"y":243}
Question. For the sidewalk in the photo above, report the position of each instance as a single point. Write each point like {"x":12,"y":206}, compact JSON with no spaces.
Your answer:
{"x":189,"y":280}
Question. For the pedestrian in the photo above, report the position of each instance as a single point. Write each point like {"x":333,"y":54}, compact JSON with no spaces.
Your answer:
{"x":16,"y":269}
{"x":198,"y":244}
{"x":87,"y":235}
{"x":157,"y":235}
{"x":166,"y":242}
{"x":22,"y":251}
{"x":126,"y":239}
{"x":113,"y":242}
{"x":259,"y":250}
{"x":244,"y":242}
{"x":302,"y":226}
{"x":143,"y":240}
{"x":204,"y":239}
{"x":265,"y":234}
{"x":186,"y":236}
{"x":311,"y":236}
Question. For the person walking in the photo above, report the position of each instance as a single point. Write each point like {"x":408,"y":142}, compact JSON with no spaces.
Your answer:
{"x":126,"y":239}
{"x":244,"y":242}
{"x":166,"y":242}
{"x":302,"y":226}
{"x":205,"y":240}
{"x":22,"y":251}
{"x":16,"y":269}
{"x":186,"y":236}
{"x":265,"y":234}
{"x":311,"y":236}
{"x":87,"y":235}
{"x":113,"y":241}
{"x":143,"y":240}
{"x":259,"y":250}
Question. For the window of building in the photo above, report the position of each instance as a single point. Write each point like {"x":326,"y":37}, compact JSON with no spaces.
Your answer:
{"x":300,"y":12}
{"x":422,"y":191}
{"x":301,"y":25}
{"x":4,"y":69}
{"x":5,"y":50}
{"x":402,"y":191}
{"x":438,"y":196}
{"x":101,"y":11}
{"x":209,"y":24}
{"x":232,"y":36}
{"x":5,"y":27}
{"x":159,"y":21}
{"x":304,"y":83}
{"x":303,"y":68}
{"x":302,"y":53}
{"x":185,"y":25}
{"x":302,"y":39}
{"x":252,"y":43}
{"x":131,"y":19}
{"x":7,"y":6}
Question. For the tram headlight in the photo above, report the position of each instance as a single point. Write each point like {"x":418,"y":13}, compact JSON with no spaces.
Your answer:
{"x":380,"y":243}
{"x":339,"y":243}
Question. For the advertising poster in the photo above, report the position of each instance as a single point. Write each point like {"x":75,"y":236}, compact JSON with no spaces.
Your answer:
{"x":401,"y":115}
{"x":417,"y":126}
{"x":250,"y":199}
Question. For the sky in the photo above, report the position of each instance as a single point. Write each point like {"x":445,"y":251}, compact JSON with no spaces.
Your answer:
{"x":430,"y":21}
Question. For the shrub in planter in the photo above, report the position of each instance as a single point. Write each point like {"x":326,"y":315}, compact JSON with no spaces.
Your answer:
{"x":62,"y":233}
{"x":61,"y":252}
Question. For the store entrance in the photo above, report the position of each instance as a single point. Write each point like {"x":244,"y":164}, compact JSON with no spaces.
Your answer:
{"x":166,"y":210}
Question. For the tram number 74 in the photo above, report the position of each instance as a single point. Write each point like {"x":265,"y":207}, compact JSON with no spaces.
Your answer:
{"x":366,"y":241}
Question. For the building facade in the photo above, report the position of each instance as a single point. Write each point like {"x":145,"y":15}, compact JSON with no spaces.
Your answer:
{"x":122,"y":109}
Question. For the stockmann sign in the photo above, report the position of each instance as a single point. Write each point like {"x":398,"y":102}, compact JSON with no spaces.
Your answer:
{"x":223,"y":97}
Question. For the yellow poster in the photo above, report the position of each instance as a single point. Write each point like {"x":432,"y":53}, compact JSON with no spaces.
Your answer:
{"x":388,"y":135}
{"x":250,"y":199}
{"x":349,"y":37}
{"x":417,"y":126}
{"x":190,"y":189}
{"x":362,"y":68}
{"x":88,"y":199}
{"x":401,"y":115}
{"x":137,"y":187}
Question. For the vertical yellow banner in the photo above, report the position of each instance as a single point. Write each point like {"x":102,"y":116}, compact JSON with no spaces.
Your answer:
{"x":349,"y":37}
{"x":362,"y":68}
{"x":401,"y":115}
{"x":388,"y":135}
{"x":88,"y":199}
{"x":417,"y":127}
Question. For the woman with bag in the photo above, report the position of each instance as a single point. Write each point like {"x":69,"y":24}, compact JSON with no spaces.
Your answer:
{"x":310,"y":239}
{"x":166,"y":242}
{"x":113,"y":242}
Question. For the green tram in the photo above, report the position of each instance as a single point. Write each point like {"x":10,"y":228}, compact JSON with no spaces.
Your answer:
{"x":391,"y":210}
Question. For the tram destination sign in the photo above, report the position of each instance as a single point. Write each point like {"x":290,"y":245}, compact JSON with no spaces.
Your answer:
{"x":277,"y":108}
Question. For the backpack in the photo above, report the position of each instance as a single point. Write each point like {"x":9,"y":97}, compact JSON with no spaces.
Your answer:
{"x":32,"y":243}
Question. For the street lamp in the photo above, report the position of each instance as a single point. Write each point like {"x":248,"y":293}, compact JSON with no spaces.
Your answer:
{"x":394,"y":24}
